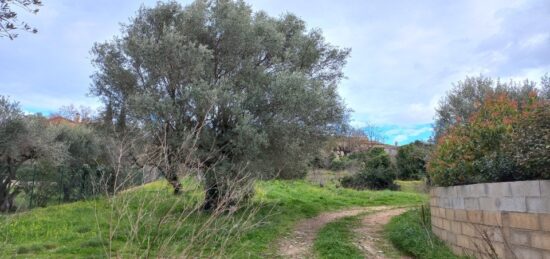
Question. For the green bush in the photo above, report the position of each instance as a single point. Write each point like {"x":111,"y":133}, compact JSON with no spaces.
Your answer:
{"x":411,"y":161}
{"x":377,"y":173}
{"x":503,"y":141}
{"x":379,"y":178}
{"x":340,"y":163}
{"x":530,"y":145}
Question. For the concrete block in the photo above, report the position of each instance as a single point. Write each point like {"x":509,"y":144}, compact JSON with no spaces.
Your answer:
{"x":492,"y":218}
{"x":519,"y":237}
{"x":463,"y":241}
{"x":475,"y":216}
{"x":538,"y":204}
{"x":471,"y":203}
{"x":524,"y":252}
{"x":544,"y":188}
{"x":446,"y":224}
{"x":456,"y":227}
{"x":461,"y":215}
{"x":460,"y":191}
{"x":495,"y":234}
{"x":500,"y":249}
{"x":527,"y":221}
{"x":449,"y":214}
{"x":525,"y":189}
{"x":469,"y":230}
{"x":546,"y":255}
{"x":446,"y":192}
{"x":457,"y":203}
{"x":514,"y":204}
{"x":451,"y":237}
{"x":540,"y":240}
{"x":475,"y":190}
{"x":488,"y":203}
{"x":444,"y":202}
{"x":499,"y":190}
{"x":441,"y":212}
{"x":545,"y":221}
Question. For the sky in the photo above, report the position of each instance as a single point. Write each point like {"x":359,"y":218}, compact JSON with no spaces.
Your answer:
{"x":405,"y":54}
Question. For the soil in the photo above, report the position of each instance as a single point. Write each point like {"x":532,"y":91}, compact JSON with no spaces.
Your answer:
{"x":299,"y":243}
{"x":370,"y":237}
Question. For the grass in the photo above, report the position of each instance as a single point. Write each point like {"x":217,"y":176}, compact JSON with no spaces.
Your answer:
{"x":411,"y":236}
{"x":411,"y":186}
{"x":148,"y":222}
{"x":335,"y":240}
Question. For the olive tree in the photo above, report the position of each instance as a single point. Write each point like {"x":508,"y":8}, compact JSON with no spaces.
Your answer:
{"x":8,"y":17}
{"x":23,"y":139}
{"x":255,"y":94}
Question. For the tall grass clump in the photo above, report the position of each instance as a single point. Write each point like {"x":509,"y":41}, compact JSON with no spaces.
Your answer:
{"x":411,"y":233}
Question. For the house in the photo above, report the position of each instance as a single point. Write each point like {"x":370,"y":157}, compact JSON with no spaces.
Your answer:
{"x":60,"y":120}
{"x":349,"y":145}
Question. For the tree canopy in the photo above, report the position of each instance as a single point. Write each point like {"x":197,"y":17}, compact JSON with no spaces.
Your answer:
{"x":253,"y":91}
{"x":9,"y":21}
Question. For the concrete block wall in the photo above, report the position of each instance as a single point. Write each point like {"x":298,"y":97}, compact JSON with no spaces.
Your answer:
{"x":510,"y":219}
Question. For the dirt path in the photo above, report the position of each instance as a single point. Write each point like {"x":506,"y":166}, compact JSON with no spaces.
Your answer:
{"x":370,"y":236}
{"x":299,"y":244}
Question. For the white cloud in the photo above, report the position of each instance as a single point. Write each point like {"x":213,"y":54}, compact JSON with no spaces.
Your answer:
{"x":405,"y":54}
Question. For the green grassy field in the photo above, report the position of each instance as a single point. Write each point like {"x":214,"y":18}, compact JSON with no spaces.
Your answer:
{"x":150,"y":221}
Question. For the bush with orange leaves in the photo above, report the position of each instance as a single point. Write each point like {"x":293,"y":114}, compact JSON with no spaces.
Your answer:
{"x":503,"y":141}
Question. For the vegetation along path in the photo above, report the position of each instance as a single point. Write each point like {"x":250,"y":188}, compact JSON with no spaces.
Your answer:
{"x":300,"y":242}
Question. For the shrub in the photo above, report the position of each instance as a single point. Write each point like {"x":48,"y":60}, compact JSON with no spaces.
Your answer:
{"x":379,"y":178}
{"x":530,"y":144}
{"x":503,"y":141}
{"x":340,"y":163}
{"x":411,"y":161}
{"x":377,"y":173}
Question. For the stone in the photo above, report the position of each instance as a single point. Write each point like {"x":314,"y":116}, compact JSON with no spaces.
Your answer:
{"x":545,"y":221}
{"x":540,"y":240}
{"x":492,"y":218}
{"x":474,"y":216}
{"x":544,"y":188}
{"x":518,"y":237}
{"x":469,"y":230}
{"x":461,"y":215}
{"x":538,"y":204}
{"x":499,"y":190}
{"x":512,"y":204}
{"x":471,"y":203}
{"x":525,"y":188}
{"x":457,"y":203}
{"x":449,"y":214}
{"x":524,"y":252}
{"x":488,"y":203}
{"x":524,"y":221}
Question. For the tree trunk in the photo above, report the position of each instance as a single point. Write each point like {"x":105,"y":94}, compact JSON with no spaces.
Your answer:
{"x":175,"y":182}
{"x":211,"y":197}
{"x":6,"y":197}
